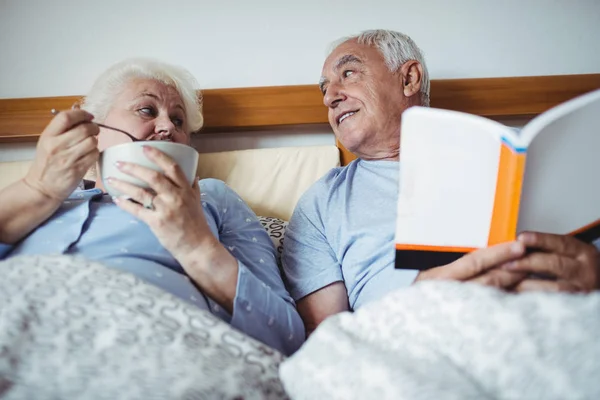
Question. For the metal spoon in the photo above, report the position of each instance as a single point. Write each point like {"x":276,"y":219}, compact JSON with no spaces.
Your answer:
{"x":133,"y":138}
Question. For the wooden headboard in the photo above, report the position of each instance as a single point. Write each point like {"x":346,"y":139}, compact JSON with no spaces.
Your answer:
{"x":260,"y":108}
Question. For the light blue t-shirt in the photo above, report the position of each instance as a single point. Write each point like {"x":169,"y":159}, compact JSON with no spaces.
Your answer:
{"x":343,"y":229}
{"x":89,"y":224}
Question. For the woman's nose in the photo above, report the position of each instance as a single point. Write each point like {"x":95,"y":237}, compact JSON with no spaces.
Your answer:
{"x":164,"y":129}
{"x":163,"y":135}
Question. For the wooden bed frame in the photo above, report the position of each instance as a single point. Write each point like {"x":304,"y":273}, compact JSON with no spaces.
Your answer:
{"x":261,"y":108}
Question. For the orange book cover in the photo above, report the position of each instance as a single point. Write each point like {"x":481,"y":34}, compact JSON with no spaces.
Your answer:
{"x":468,"y":182}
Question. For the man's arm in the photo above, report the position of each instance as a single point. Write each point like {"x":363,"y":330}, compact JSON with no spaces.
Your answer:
{"x":475,"y":267}
{"x":569,"y":264}
{"x":483,"y":266}
{"x":319,"y":305}
{"x":312,"y":270}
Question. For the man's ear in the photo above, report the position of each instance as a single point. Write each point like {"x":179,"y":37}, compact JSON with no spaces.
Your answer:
{"x":412,"y":77}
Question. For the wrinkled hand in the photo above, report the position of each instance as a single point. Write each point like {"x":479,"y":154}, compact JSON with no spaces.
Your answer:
{"x":480,"y":267}
{"x":177,"y":218}
{"x":570,"y":264}
{"x":67,"y":148}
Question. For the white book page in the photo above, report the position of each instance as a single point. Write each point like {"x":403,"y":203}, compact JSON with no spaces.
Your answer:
{"x":561,"y":188}
{"x":448,"y":173}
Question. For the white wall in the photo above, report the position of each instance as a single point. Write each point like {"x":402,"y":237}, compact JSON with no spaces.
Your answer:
{"x":52,"y":48}
{"x":58,"y":47}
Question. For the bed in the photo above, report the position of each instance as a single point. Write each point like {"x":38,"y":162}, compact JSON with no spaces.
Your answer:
{"x":205,"y":357}
{"x":286,"y":108}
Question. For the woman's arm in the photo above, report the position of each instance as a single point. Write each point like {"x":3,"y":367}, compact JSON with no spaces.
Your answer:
{"x":249,"y":281}
{"x":23,"y":209}
{"x":238,"y":270}
{"x":65,"y":151}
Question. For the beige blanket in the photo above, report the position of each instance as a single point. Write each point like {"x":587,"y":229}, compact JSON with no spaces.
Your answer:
{"x":73,"y":329}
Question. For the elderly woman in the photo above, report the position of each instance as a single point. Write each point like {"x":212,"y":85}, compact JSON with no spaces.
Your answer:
{"x":202,"y":243}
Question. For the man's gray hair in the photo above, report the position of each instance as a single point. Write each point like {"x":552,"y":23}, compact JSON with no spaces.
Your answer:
{"x":396,"y":49}
{"x":111,"y":83}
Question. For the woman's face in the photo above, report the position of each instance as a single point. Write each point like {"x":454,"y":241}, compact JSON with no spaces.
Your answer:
{"x":149,"y":110}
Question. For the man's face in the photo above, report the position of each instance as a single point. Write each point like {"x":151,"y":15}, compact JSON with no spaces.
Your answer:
{"x":365,"y":100}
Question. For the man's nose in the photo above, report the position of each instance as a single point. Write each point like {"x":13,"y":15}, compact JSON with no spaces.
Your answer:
{"x":334,"y":95}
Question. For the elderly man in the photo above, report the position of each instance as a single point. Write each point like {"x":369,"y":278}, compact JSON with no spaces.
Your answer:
{"x":339,"y":248}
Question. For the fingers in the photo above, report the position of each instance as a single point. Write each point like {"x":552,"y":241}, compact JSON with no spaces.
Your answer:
{"x":170,"y":168}
{"x":155,"y":179}
{"x":561,"y":244}
{"x":536,"y":285}
{"x":499,"y":279}
{"x":479,"y":261}
{"x":73,"y":154}
{"x":545,"y":263}
{"x":66,"y":120}
{"x":78,"y":134}
{"x":132,"y":191}
{"x":84,"y":163}
{"x":134,"y":209}
{"x":159,"y":182}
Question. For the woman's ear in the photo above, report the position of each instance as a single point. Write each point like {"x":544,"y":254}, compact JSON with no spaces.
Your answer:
{"x":412,"y":77}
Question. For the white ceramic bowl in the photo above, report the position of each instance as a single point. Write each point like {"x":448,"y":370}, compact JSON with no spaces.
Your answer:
{"x":184,"y":155}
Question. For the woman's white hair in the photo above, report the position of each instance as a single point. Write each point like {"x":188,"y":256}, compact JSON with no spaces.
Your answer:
{"x":111,"y":83}
{"x":396,"y":49}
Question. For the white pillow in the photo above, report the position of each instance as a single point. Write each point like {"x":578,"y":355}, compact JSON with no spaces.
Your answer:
{"x":276,"y":229}
{"x":271,"y":181}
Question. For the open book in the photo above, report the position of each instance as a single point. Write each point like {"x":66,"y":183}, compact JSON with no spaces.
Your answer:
{"x":468,"y":182}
